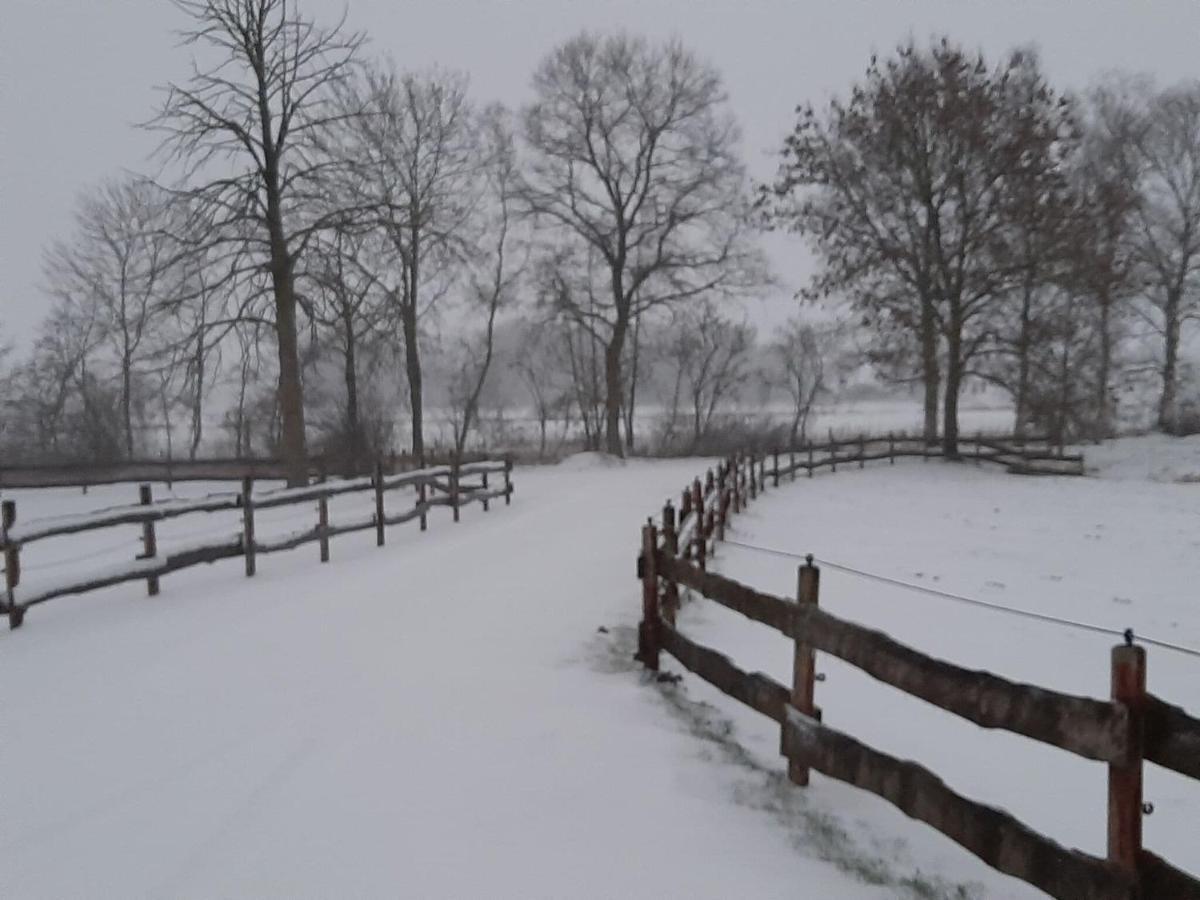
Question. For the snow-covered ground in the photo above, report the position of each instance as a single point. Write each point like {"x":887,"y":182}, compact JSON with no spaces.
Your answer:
{"x":445,"y":718}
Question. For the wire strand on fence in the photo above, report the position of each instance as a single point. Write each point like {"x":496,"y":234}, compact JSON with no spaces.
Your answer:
{"x":972,"y":601}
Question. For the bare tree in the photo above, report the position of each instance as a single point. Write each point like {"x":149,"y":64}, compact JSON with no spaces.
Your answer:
{"x":248,"y":132}
{"x":538,"y":366}
{"x":710,"y":356}
{"x":494,"y":271}
{"x":349,"y":307}
{"x":632,"y":151}
{"x":801,"y":351}
{"x":417,"y":169}
{"x":1168,"y":218}
{"x":122,"y":263}
{"x":903,"y":189}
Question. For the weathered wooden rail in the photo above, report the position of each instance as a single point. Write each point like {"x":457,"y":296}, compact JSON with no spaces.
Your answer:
{"x":168,"y":471}
{"x":1125,"y":731}
{"x":453,"y":486}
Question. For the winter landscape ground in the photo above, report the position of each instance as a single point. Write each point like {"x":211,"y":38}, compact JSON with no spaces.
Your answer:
{"x":458,"y":714}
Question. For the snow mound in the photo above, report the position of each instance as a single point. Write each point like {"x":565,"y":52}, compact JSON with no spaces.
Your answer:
{"x":590,"y":461}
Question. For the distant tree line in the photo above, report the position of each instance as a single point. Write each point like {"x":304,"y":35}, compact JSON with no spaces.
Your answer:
{"x":332,"y":247}
{"x":985,"y":226}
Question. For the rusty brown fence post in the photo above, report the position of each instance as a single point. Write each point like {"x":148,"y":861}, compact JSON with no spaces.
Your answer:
{"x":454,"y":476}
{"x":810,"y":458}
{"x":671,"y":549}
{"x":775,"y":482}
{"x":1125,"y":779}
{"x":832,"y":453}
{"x":149,"y":539}
{"x":485,"y":490}
{"x":248,"y":548}
{"x":753,"y":479}
{"x":508,"y":464}
{"x":12,"y":564}
{"x":804,"y":663}
{"x":648,"y":630}
{"x":421,"y":500}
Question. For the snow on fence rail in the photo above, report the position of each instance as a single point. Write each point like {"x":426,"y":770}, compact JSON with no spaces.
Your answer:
{"x":85,"y":474}
{"x":435,"y":486}
{"x":1132,"y":727}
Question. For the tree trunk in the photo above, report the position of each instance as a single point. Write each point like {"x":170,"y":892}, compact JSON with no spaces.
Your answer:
{"x":1104,"y":411}
{"x":954,"y":371}
{"x":412,"y":367}
{"x":291,"y":392}
{"x":1023,"y":349}
{"x":929,"y":369}
{"x":353,"y":425}
{"x":1166,"y":400}
{"x":613,"y":391}
{"x":198,"y":397}
{"x":127,"y":405}
{"x":631,"y":406}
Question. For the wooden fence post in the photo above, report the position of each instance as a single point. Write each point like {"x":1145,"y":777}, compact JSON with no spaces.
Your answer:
{"x":379,"y":524}
{"x":12,"y":564}
{"x":792,"y":460}
{"x":776,"y":481}
{"x":753,"y":483}
{"x":862,"y":451}
{"x":1125,"y":780}
{"x":248,"y":525}
{"x":832,"y":453}
{"x":648,"y":629}
{"x":804,"y":662}
{"x":485,"y":489}
{"x":149,"y":540}
{"x":670,"y":548}
{"x":323,"y":526}
{"x":454,"y":484}
{"x":698,"y":530}
{"x":762,"y":472}
{"x":810,"y":458}
{"x":891,"y":449}
{"x":722,"y":510}
{"x":421,"y":504}
{"x":978,"y":447}
{"x":508,"y":464}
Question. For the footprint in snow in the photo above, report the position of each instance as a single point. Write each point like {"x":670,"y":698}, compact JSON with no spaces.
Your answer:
{"x":999,"y":585}
{"x":1122,"y":601}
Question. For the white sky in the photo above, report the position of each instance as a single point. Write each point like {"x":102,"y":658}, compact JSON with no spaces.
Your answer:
{"x":75,"y":75}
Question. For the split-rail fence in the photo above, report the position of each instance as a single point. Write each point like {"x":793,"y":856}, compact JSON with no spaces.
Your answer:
{"x":1131,"y":728}
{"x":454,"y":486}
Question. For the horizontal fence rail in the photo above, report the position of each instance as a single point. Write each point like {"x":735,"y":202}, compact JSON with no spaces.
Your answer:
{"x":85,"y":474}
{"x":452,"y":486}
{"x":1130,"y":728}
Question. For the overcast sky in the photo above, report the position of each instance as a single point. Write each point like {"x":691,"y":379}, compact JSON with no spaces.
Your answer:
{"x":75,"y":75}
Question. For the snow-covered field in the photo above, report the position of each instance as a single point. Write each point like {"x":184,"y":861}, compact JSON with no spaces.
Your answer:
{"x":444,"y":718}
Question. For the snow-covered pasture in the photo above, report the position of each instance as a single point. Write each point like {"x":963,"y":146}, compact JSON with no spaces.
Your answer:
{"x":1117,"y":551}
{"x":444,"y":718}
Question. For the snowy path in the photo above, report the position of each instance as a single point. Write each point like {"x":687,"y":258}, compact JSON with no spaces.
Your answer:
{"x":436,"y":719}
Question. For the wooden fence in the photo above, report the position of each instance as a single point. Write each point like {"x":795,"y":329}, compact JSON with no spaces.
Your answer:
{"x":168,"y":471}
{"x":453,"y":486}
{"x":1132,"y":727}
